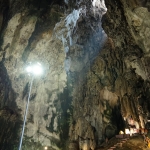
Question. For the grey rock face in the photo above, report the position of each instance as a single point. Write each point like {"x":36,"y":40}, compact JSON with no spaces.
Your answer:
{"x":91,"y":81}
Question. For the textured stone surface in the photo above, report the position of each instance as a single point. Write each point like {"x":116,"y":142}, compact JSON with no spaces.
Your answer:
{"x":25,"y":41}
{"x":134,"y":76}
{"x":9,"y":122}
{"x":91,"y":82}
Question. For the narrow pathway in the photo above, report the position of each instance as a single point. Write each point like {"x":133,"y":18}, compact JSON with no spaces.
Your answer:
{"x":132,"y":143}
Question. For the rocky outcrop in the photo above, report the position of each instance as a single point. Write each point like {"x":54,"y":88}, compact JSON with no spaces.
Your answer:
{"x":113,"y":89}
{"x":94,"y":78}
{"x":128,"y":29}
{"x":9,"y":122}
{"x":28,"y":38}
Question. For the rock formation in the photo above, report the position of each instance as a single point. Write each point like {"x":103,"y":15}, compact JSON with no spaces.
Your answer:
{"x":95,"y":57}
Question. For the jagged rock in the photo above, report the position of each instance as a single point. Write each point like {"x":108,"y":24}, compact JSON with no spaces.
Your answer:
{"x":96,"y":69}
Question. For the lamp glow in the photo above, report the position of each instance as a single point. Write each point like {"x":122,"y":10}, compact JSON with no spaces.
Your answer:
{"x":35,"y":69}
{"x":29,"y":69}
{"x":127,"y":131}
{"x":45,"y":147}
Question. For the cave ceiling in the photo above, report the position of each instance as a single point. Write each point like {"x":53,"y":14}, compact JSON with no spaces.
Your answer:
{"x":95,"y":57}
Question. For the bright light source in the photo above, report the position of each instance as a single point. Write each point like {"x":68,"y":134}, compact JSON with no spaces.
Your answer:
{"x":121,"y":132}
{"x":45,"y":147}
{"x":35,"y":69}
{"x":29,"y":69}
{"x":127,"y":131}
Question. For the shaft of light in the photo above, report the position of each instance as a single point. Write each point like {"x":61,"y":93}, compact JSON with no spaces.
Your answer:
{"x":25,"y":116}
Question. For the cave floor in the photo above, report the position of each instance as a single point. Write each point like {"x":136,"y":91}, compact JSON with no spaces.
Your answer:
{"x":132,"y":143}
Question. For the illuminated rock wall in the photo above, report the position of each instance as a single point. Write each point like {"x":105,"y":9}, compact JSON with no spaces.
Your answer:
{"x":93,"y":78}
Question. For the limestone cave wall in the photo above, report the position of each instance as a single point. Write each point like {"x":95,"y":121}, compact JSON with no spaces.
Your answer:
{"x":95,"y":57}
{"x":115,"y":87}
